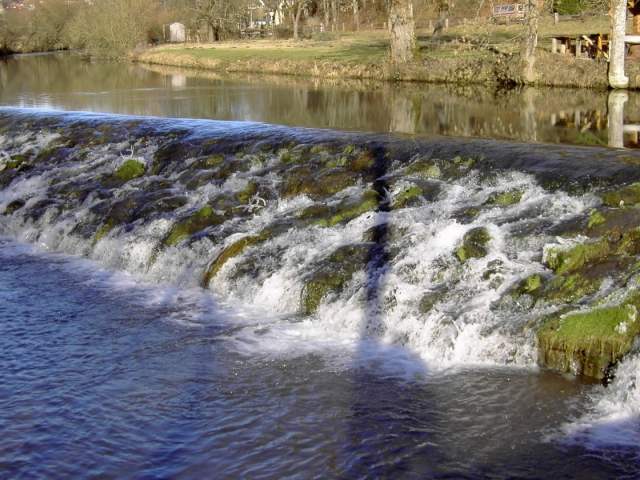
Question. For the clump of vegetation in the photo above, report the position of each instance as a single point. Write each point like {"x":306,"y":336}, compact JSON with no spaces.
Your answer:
{"x":595,"y":218}
{"x":129,"y":170}
{"x":590,"y":343}
{"x":474,"y":244}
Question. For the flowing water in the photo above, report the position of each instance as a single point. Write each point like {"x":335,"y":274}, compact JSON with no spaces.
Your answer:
{"x":221,"y":315}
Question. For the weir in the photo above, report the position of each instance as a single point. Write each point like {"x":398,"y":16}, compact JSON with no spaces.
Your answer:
{"x":463,"y":251}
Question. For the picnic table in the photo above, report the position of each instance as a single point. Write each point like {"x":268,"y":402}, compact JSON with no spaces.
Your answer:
{"x":588,"y":45}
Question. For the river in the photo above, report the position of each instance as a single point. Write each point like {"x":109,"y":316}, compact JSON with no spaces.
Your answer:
{"x":118,"y":364}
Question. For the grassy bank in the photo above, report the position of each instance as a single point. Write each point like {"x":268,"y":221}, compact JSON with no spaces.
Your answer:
{"x":466,"y":54}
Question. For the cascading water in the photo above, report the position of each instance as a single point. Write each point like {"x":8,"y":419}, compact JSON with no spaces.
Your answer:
{"x":424,"y":245}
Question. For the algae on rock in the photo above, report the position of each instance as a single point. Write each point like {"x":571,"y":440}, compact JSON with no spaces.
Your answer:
{"x":129,"y":170}
{"x":231,"y":251}
{"x":333,"y":274}
{"x":203,"y":218}
{"x":474,"y":244}
{"x":590,"y":343}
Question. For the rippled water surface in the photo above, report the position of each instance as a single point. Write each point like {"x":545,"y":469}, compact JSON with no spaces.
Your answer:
{"x":106,"y":376}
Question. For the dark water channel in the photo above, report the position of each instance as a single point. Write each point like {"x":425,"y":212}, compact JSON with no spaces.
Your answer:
{"x":533,"y":115}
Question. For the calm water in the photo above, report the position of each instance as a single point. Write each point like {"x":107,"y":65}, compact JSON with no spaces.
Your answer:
{"x":532,"y":115}
{"x":106,"y":377}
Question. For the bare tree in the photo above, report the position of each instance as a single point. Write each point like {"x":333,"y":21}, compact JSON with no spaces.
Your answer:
{"x":402,"y":31}
{"x":531,"y":40}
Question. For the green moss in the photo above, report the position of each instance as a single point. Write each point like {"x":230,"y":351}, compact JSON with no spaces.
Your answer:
{"x":613,"y":245}
{"x":245,"y":195}
{"x":505,"y":199}
{"x":15,"y":162}
{"x":203,"y":218}
{"x":349,"y":149}
{"x":348,"y":211}
{"x":569,"y":288}
{"x":340,"y":161}
{"x":424,"y":169}
{"x":230,"y":252}
{"x":595,"y":218}
{"x":566,"y":261}
{"x":104,"y":230}
{"x":407,"y":197}
{"x":531,"y":284}
{"x":212,"y":161}
{"x":129,"y":170}
{"x":301,"y":180}
{"x":332,"y":275}
{"x":589,"y":343}
{"x":474,"y":244}
{"x":363,"y":162}
{"x":626,"y":196}
{"x":436,"y":168}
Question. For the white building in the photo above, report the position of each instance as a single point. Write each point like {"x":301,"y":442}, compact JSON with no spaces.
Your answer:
{"x":177,"y":33}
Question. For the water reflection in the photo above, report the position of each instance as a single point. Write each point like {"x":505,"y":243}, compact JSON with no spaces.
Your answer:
{"x":533,"y":115}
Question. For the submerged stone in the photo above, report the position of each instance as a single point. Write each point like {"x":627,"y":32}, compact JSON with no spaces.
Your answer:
{"x":589,"y":343}
{"x":474,"y":244}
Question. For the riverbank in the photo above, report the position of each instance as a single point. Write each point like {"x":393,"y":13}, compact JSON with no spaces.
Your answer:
{"x":467,"y":54}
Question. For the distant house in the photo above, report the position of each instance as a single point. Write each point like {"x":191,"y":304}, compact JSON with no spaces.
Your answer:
{"x":177,"y":33}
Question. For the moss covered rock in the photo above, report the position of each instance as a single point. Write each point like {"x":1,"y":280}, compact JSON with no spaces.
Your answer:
{"x":607,"y":248}
{"x":347,"y":210}
{"x":203,"y":218}
{"x":589,"y":343}
{"x":231,"y":251}
{"x":408,"y":196}
{"x":474,"y":244}
{"x":332,"y":275}
{"x":302,"y":180}
{"x":435,"y":168}
{"x":505,"y":199}
{"x":622,"y":197}
{"x":129,"y":170}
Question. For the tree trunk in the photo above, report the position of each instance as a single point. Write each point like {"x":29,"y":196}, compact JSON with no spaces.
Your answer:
{"x":325,"y":7}
{"x":356,"y":15}
{"x":402,"y":31}
{"x":334,"y":15}
{"x":618,"y":14}
{"x":531,"y":41}
{"x":296,"y":20}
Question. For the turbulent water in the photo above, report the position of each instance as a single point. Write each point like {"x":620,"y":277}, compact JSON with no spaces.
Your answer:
{"x":338,"y":333}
